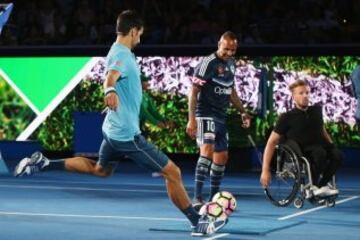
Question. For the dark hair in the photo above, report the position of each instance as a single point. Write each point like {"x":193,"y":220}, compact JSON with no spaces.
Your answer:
{"x":297,"y":83}
{"x":127,"y":20}
{"x":229,"y":34}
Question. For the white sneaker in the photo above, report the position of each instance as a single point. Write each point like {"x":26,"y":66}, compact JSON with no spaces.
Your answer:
{"x":22,"y":167}
{"x":325,"y":191}
{"x":208,"y":226}
{"x":28,"y":166}
{"x":309,"y":192}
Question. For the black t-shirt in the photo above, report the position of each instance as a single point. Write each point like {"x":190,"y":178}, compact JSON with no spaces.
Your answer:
{"x":215,"y":77}
{"x":305,"y":127}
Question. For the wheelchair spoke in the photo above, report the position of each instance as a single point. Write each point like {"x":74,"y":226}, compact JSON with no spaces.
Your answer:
{"x":285,"y":185}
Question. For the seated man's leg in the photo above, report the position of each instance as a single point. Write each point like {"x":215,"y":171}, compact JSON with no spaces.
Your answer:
{"x":317,"y":157}
{"x":294,"y":146}
{"x":335,"y":158}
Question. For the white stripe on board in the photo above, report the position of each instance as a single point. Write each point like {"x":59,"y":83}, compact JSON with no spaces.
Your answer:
{"x":315,"y":209}
{"x":57,"y":100}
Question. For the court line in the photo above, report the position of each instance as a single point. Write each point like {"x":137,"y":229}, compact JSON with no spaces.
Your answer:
{"x":217,"y":236}
{"x":90,"y":216}
{"x":124,"y":183}
{"x":99,"y":189}
{"x":79,"y":188}
{"x":316,"y":208}
{"x":256,"y":186}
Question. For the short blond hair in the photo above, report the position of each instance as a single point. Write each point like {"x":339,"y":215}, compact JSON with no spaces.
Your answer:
{"x":297,"y":83}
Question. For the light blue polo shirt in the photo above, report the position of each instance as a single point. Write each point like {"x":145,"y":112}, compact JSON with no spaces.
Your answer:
{"x":123,"y":124}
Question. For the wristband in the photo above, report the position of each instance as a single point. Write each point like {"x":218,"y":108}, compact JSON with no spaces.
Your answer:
{"x":109,"y":90}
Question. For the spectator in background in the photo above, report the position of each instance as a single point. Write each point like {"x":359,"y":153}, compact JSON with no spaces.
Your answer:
{"x":148,"y":110}
{"x":150,"y":114}
{"x":181,"y":22}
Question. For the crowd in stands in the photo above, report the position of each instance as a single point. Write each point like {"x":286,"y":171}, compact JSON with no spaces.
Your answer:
{"x":92,"y":22}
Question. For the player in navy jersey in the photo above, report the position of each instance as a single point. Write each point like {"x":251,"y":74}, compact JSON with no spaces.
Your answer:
{"x":210,"y":96}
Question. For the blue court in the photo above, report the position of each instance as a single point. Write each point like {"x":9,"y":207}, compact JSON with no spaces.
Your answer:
{"x":58,"y":205}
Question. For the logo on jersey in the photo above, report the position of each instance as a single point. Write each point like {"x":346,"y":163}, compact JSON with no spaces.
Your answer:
{"x":222,"y":91}
{"x":220,"y":70}
{"x":232,"y":69}
{"x":198,"y":81}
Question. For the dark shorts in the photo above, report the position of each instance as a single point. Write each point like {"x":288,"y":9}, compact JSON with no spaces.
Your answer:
{"x":212,"y":132}
{"x":139,"y":150}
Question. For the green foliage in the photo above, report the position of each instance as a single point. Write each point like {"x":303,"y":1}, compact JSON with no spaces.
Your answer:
{"x":175,"y":140}
{"x":56,"y":133}
{"x":336,"y":67}
{"x":15,"y":115}
{"x":332,"y":66}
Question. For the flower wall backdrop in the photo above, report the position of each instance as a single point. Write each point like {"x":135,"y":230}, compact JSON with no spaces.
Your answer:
{"x":170,"y":81}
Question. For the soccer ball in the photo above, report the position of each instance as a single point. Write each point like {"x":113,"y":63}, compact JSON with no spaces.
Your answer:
{"x":213,"y":210}
{"x":226,"y":200}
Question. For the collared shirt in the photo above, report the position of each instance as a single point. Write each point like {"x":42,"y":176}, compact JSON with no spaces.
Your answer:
{"x":305,"y":127}
{"x":123,"y":124}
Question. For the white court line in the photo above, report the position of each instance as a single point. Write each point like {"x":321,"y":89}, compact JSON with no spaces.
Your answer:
{"x":79,"y":188}
{"x":90,"y":216}
{"x":141,"y":184}
{"x":315,"y":209}
{"x":217,"y":236}
{"x":120,"y":184}
{"x":98,"y":189}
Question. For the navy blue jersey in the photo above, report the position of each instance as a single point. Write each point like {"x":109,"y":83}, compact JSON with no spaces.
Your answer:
{"x":215,"y":78}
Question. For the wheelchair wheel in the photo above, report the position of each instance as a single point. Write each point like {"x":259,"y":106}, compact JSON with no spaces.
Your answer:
{"x":298,"y":202}
{"x":285,"y":177}
{"x":330,"y":203}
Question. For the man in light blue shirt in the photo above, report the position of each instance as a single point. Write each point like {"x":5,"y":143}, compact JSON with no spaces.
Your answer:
{"x":122,"y":124}
{"x":122,"y":136}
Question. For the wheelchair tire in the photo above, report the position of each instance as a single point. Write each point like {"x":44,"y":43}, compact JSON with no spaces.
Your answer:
{"x":286,"y":178}
{"x":298,"y":202}
{"x":330,"y":203}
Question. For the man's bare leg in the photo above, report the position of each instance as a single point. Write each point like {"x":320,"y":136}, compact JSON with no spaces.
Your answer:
{"x":86,"y":166}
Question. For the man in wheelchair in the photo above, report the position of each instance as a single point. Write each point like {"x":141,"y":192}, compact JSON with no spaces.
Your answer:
{"x":304,"y":131}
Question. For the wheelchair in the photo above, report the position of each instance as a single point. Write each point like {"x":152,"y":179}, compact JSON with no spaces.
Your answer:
{"x":292,"y":181}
